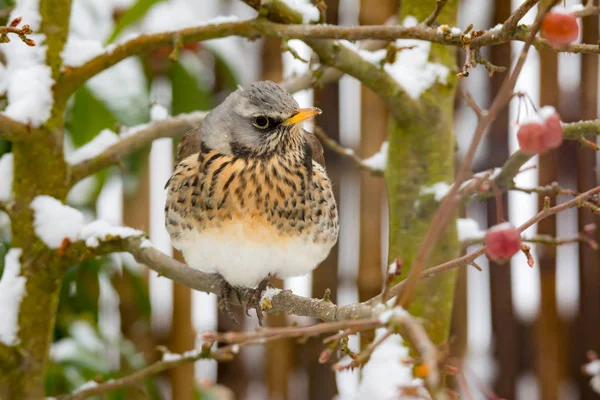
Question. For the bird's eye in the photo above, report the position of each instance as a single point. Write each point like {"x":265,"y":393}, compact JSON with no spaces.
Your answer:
{"x":261,"y":122}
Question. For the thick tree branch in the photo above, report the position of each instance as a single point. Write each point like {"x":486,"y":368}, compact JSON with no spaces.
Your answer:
{"x":71,"y":79}
{"x":13,"y":130}
{"x":134,"y":141}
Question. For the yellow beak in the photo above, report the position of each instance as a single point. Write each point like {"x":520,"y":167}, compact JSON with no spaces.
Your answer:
{"x":302,"y":115}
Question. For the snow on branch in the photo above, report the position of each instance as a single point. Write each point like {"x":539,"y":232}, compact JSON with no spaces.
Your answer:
{"x":12,"y":290}
{"x":107,"y":149}
{"x":58,"y":225}
{"x":284,"y":12}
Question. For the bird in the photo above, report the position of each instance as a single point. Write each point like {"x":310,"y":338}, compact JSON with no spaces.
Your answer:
{"x":249,"y":197}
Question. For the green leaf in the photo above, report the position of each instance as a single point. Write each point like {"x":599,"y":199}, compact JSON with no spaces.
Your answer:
{"x":87,"y":117}
{"x":189,"y":93}
{"x":135,"y":13}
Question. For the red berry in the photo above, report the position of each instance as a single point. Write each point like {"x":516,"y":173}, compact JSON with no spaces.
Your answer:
{"x":559,"y":28}
{"x":540,"y":132}
{"x":554,"y":130}
{"x":502,"y":242}
{"x":531,"y":138}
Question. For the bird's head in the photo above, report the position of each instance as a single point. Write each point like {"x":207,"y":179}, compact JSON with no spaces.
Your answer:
{"x":256,"y":120}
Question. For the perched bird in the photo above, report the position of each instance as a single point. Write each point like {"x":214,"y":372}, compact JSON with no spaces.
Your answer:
{"x":249,"y":197}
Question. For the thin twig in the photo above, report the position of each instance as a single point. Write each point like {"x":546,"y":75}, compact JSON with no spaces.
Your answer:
{"x":431,"y":19}
{"x":345,"y":152}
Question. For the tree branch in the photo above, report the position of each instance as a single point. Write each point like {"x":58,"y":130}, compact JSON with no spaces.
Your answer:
{"x":410,"y":329}
{"x":13,"y":130}
{"x":134,"y":141}
{"x":71,"y":79}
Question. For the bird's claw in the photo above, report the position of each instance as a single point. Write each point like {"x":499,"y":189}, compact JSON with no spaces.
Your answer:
{"x":254,"y":301}
{"x":224,"y":294}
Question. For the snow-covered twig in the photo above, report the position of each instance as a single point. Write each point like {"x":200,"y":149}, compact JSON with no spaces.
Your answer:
{"x":345,"y":152}
{"x":137,"y":140}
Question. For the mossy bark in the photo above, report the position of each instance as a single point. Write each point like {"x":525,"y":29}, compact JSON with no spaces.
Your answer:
{"x":421,"y":153}
{"x":39,"y":168}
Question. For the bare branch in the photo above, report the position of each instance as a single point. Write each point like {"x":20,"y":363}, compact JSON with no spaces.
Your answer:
{"x":411,"y":331}
{"x":431,"y":19}
{"x":511,"y":23}
{"x":135,"y":141}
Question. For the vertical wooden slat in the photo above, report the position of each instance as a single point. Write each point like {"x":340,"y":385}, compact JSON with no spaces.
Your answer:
{"x":373,"y":128}
{"x":181,"y":339}
{"x":504,"y":324}
{"x":548,"y":327}
{"x":135,"y":326}
{"x":587,"y":324}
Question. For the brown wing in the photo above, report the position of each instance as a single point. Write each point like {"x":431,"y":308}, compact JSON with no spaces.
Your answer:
{"x":190,"y":144}
{"x":317,"y":149}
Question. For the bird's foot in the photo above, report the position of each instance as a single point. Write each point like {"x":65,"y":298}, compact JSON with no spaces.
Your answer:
{"x":254,"y":301}
{"x":225,"y":291}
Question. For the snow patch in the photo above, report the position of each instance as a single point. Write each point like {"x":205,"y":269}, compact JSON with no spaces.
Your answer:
{"x":538,"y":117}
{"x":12,"y":290}
{"x":378,"y":160}
{"x":6,"y":176}
{"x":439,"y":190}
{"x":96,"y":146}
{"x":388,"y":371}
{"x":387,"y":315}
{"x":593,"y":369}
{"x":500,"y":227}
{"x":309,"y":12}
{"x":97,"y":231}
{"x":85,"y":386}
{"x":445,"y":30}
{"x":575,"y":8}
{"x":146,"y":243}
{"x":55,"y":221}
{"x":411,"y":69}
{"x":79,"y":51}
{"x":158,"y":113}
{"x":468,"y":229}
{"x":266,"y":299}
{"x":27,"y":80}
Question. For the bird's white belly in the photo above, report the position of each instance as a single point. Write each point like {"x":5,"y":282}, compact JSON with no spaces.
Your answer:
{"x":245,"y":253}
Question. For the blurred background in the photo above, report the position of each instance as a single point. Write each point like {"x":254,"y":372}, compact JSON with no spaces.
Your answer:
{"x":523,"y":332}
